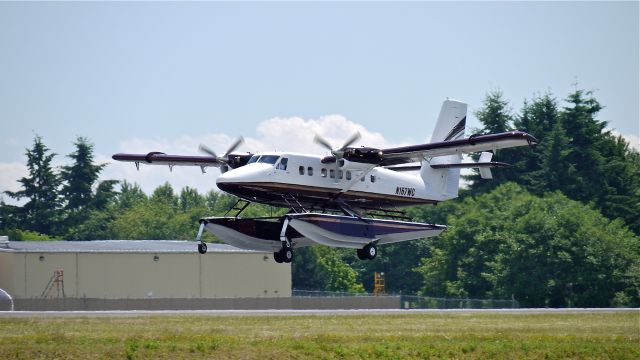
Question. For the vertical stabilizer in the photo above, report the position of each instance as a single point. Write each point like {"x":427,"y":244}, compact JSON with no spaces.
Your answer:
{"x":442,"y":184}
{"x":451,"y":121}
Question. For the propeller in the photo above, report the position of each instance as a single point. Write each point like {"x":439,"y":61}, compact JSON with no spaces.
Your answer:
{"x":339,"y":152}
{"x":225,"y":157}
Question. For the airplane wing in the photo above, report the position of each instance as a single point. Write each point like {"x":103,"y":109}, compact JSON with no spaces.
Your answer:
{"x":159,"y":158}
{"x":474,"y":143}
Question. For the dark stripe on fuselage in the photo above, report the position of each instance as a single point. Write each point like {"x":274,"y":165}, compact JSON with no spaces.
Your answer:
{"x":314,"y":196}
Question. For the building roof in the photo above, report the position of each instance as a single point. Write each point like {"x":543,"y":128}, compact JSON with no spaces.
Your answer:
{"x":111,"y":246}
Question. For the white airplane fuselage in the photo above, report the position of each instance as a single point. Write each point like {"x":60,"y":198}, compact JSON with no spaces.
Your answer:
{"x":277,"y":178}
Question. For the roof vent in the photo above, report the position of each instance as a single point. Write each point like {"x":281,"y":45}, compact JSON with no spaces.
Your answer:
{"x":4,"y":242}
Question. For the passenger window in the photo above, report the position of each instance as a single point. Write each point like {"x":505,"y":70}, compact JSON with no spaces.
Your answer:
{"x":339,"y":174}
{"x":323,"y":172}
{"x":310,"y":171}
{"x":373,"y":178}
{"x":348,"y":175}
{"x":283,"y":164}
{"x":362,"y":177}
{"x":332,"y":173}
{"x":301,"y":170}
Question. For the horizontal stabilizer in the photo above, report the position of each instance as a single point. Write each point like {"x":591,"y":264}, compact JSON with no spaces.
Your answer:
{"x":405,"y":168}
{"x":478,"y":165}
{"x":484,"y":165}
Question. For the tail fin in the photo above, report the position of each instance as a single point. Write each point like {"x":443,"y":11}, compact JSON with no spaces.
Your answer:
{"x":442,"y":184}
{"x":451,"y":121}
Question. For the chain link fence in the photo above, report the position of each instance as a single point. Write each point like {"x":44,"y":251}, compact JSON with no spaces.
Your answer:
{"x":420,"y":302}
{"x":423,"y":302}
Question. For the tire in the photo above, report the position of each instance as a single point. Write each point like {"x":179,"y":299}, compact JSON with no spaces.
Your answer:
{"x":202,"y":248}
{"x":361,"y":254}
{"x":287,"y":255}
{"x":277,"y":256}
{"x":370,"y":251}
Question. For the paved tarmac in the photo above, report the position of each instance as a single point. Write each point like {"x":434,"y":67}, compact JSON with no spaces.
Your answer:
{"x":134,"y":313}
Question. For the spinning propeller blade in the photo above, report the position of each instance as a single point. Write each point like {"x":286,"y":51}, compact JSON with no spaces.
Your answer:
{"x":354,"y":137}
{"x":339,"y":152}
{"x":205,"y":149}
{"x":234,"y":146}
{"x":322,"y":142}
{"x":224,"y":158}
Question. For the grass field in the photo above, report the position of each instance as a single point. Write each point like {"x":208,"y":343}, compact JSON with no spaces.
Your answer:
{"x":453,"y":335}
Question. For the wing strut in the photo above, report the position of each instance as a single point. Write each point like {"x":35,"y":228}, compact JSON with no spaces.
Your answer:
{"x":238,"y":207}
{"x":348,"y":210}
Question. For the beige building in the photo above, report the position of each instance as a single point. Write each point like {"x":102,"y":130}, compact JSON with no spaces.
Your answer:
{"x":138,"y":269}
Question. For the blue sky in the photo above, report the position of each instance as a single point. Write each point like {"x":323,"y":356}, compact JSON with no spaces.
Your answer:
{"x":130,"y":76}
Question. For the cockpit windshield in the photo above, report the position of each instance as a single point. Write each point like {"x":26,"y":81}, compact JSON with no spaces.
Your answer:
{"x":266,"y":159}
{"x":253,"y":159}
{"x":269,"y":159}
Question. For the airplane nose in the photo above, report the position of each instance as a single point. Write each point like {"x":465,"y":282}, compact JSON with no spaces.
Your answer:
{"x":244,"y":174}
{"x":233,"y":181}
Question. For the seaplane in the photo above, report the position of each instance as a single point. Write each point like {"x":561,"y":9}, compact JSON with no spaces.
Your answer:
{"x":350,"y":198}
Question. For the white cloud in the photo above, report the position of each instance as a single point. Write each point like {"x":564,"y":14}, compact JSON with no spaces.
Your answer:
{"x":296,"y":134}
{"x":10,"y":173}
{"x":632,"y":139}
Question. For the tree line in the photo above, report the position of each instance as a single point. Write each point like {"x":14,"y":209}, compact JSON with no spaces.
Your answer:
{"x":558,"y":228}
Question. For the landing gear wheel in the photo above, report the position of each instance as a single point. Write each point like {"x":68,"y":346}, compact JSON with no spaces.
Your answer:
{"x":277,"y":256}
{"x":287,"y":255}
{"x":361,"y":254}
{"x":370,"y":251}
{"x":202,"y":248}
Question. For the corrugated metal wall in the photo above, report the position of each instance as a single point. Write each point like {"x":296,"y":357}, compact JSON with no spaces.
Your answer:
{"x":104,"y":275}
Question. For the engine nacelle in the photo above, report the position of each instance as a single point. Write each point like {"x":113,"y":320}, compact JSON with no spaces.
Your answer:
{"x":352,"y":165}
{"x":363,"y":155}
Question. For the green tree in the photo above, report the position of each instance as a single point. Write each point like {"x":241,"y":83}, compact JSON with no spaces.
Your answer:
{"x":27,"y":235}
{"x":163,"y":195}
{"x":164,"y":216}
{"x":496,"y":117}
{"x":585,"y":133}
{"x":575,"y":155}
{"x":41,"y":187}
{"x":129,"y":196}
{"x":495,"y":113}
{"x":79,"y":177}
{"x":556,"y":172}
{"x":105,"y":195}
{"x":191,"y":199}
{"x":539,"y":117}
{"x":322,"y":268}
{"x":101,"y":212}
{"x":620,"y":193}
{"x":548,"y":251}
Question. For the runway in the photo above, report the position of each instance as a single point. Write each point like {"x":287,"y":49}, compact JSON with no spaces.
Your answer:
{"x":136,"y":313}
